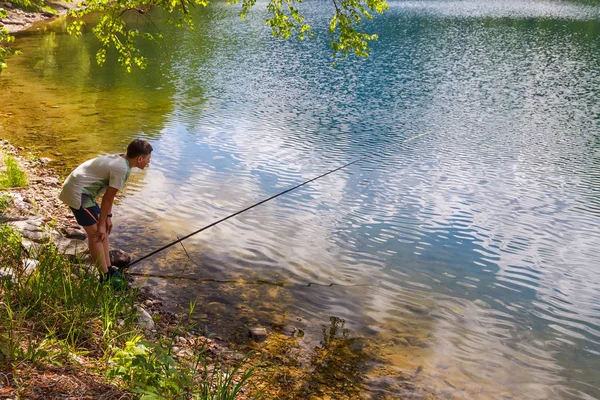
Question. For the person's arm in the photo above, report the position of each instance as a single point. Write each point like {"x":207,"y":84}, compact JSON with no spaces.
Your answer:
{"x":104,"y":222}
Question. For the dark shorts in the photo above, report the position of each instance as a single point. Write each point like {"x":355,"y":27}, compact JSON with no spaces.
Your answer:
{"x":87,"y":216}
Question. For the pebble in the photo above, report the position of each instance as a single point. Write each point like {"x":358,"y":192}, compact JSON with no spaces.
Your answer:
{"x":182,"y":340}
{"x":237,"y":356}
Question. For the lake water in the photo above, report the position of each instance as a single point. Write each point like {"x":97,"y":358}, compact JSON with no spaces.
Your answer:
{"x":462,"y":264}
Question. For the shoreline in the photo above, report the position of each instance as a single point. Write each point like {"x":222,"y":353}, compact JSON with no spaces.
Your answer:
{"x":275,"y":356}
{"x":37,"y":204}
{"x":38,"y":200}
{"x":19,"y":20}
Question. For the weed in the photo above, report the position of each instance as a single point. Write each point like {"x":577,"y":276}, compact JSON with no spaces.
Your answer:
{"x":61,"y":310}
{"x":60,"y":297}
{"x":4,"y":203}
{"x":13,"y":176}
{"x":150,"y":370}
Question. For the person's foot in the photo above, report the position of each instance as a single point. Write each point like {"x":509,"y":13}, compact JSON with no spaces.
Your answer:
{"x":115,"y":278}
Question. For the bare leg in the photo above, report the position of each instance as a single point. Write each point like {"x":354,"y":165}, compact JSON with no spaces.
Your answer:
{"x":106,"y":250}
{"x":97,"y":248}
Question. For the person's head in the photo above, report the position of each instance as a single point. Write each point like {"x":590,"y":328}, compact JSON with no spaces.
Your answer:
{"x":139,"y":151}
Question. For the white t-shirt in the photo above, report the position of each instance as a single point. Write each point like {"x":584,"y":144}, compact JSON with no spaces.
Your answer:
{"x":92,"y":178}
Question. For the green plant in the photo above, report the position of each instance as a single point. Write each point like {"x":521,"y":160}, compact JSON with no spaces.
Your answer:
{"x":61,"y":310}
{"x":28,"y":5}
{"x":5,"y":38}
{"x":150,"y":370}
{"x":13,"y":176}
{"x":286,"y":18}
{"x":61,"y":300}
{"x":4,"y":203}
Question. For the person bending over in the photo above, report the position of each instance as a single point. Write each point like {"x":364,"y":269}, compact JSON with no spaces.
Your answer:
{"x":104,"y":175}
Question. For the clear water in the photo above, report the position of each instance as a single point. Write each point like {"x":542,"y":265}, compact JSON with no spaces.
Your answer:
{"x":466,"y":259}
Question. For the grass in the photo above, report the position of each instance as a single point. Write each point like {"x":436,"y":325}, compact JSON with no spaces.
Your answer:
{"x":60,"y":316}
{"x":13,"y":176}
{"x":4,"y":203}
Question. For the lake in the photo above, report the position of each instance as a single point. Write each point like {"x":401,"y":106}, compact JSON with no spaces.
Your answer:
{"x":461,"y":264}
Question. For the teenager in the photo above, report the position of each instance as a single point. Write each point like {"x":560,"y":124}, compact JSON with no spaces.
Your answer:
{"x":104,"y":175}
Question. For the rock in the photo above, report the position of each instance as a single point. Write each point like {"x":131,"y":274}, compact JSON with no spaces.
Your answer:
{"x":71,"y":247}
{"x":75,"y":232}
{"x":237,"y":356}
{"x":145,"y":320}
{"x":30,"y":246}
{"x":13,"y":218}
{"x":288,"y":330}
{"x":6,"y":273}
{"x":257,"y":333}
{"x":29,"y":223}
{"x":30,"y":228}
{"x":51,"y":181}
{"x":417,"y":309}
{"x":182,"y":353}
{"x":45,"y":160}
{"x":119,"y":258}
{"x":181,"y":340}
{"x":30,"y":265}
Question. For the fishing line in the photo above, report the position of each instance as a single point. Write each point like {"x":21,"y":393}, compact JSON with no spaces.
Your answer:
{"x":242,"y":282}
{"x":179,"y":240}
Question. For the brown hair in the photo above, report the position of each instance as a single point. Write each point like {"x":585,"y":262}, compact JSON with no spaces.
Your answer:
{"x":138,"y":148}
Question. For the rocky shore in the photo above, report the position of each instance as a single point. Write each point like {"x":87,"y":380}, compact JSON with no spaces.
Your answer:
{"x":18,"y":19}
{"x":37,"y":214}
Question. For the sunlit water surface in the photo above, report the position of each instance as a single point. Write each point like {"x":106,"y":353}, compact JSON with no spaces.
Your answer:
{"x":466,"y":261}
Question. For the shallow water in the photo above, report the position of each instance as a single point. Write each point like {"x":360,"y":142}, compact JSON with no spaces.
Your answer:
{"x":465,"y":261}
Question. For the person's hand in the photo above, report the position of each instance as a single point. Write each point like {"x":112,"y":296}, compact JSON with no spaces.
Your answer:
{"x":101,"y":234}
{"x":108,"y":225}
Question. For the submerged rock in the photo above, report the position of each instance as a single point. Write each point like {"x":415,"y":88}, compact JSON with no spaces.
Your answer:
{"x":257,"y":333}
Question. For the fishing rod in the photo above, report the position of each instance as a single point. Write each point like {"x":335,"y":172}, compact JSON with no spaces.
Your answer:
{"x":179,"y":240}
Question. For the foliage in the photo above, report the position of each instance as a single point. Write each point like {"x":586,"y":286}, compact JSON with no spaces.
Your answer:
{"x":4,"y":203}
{"x":60,"y":310}
{"x":28,"y":5}
{"x":58,"y":301}
{"x":13,"y":176}
{"x":285,"y":19}
{"x":151,"y":370}
{"x":5,"y":39}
